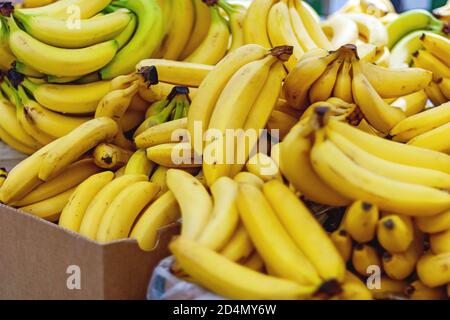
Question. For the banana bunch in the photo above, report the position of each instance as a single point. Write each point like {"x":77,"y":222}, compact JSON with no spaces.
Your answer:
{"x":229,"y":229}
{"x":434,"y":57}
{"x":405,"y":32}
{"x":272,"y":23}
{"x":376,"y":90}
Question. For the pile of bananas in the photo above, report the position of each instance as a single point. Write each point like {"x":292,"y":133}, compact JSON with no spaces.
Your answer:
{"x":127,"y":118}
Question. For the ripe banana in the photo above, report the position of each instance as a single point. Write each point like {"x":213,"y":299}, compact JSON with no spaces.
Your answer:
{"x":411,"y":104}
{"x":271,"y":240}
{"x":224,"y":215}
{"x":97,"y":207}
{"x":60,"y":33}
{"x":305,"y":231}
{"x":435,"y":94}
{"x":215,"y":45}
{"x":303,"y":37}
{"x":435,"y":224}
{"x":71,"y":99}
{"x":73,"y":176}
{"x":343,"y":86}
{"x":162,"y":133}
{"x":150,"y":18}
{"x":173,"y":155}
{"x":401,"y":54}
{"x":239,"y":247}
{"x":365,"y":256}
{"x":395,"y":233}
{"x":200,"y":29}
{"x":440,"y":242}
{"x":6,"y":56}
{"x":195,"y":202}
{"x":49,"y":209}
{"x":433,"y":270}
{"x":230,"y":279}
{"x":236,"y":17}
{"x":255,"y":24}
{"x":72,"y":146}
{"x":323,"y":87}
{"x":424,"y":59}
{"x":377,"y":112}
{"x":435,"y":139}
{"x":247,"y":177}
{"x":73,"y":212}
{"x":64,"y":9}
{"x":264,"y":167}
{"x":361,"y":220}
{"x":343,"y":243}
{"x":109,"y":156}
{"x":437,"y":45}
{"x":398,"y":266}
{"x":444,"y":87}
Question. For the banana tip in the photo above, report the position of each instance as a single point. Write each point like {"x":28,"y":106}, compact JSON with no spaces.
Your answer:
{"x":329,"y":288}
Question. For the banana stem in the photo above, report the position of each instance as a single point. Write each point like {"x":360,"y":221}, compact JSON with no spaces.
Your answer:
{"x":283,"y":53}
{"x":29,"y":85}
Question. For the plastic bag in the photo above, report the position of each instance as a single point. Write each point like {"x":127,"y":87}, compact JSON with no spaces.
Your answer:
{"x":165,"y":286}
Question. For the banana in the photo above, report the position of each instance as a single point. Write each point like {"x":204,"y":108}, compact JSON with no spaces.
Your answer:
{"x":160,"y":213}
{"x":73,"y":212}
{"x":444,"y":86}
{"x":309,"y":18}
{"x":341,"y":173}
{"x":271,"y":240}
{"x":435,"y":139}
{"x":434,"y":224}
{"x":343,"y":243}
{"x":178,"y":72}
{"x":150,"y":21}
{"x":109,"y":156}
{"x":437,"y":45}
{"x":398,"y":266}
{"x":343,"y":30}
{"x":160,"y":134}
{"x":439,"y":242}
{"x":371,"y":28}
{"x":224,"y":215}
{"x":195,"y":202}
{"x":215,"y":45}
{"x":122,"y":39}
{"x":361,"y":220}
{"x":59,"y":61}
{"x":433,"y":270}
{"x":160,"y":92}
{"x":71,"y":99}
{"x":239,"y":247}
{"x":236,"y":17}
{"x":411,"y":21}
{"x":411,"y":104}
{"x":138,"y":163}
{"x":392,"y":151}
{"x":395,"y":233}
{"x":255,"y":24}
{"x":254,"y":262}
{"x":377,"y":112}
{"x":303,"y":37}
{"x":200,"y":29}
{"x":49,"y":209}
{"x":230,"y":279}
{"x":306,"y":232}
{"x":121,"y":214}
{"x":173,"y":155}
{"x":73,"y":176}
{"x":114,"y":104}
{"x":296,"y":166}
{"x":364,"y":256}
{"x":421,"y":123}
{"x":281,"y":32}
{"x":419,"y":291}
{"x":388,"y":169}
{"x":36,"y":3}
{"x":301,"y":78}
{"x":395,"y":82}
{"x":435,"y":94}
{"x":264,"y":167}
{"x":343,"y":86}
{"x":159,"y":177}
{"x":388,"y":288}
{"x":282,"y":122}
{"x":64,"y":9}
{"x":6,"y":56}
{"x":247,"y":177}
{"x":231,"y":111}
{"x":183,"y":17}
{"x":10,"y":124}
{"x":211,"y":88}
{"x":323,"y":87}
{"x":354,"y":288}
{"x":72,"y":146}
{"x":402,"y":53}
{"x":97,"y":207}
{"x":60,"y":33}
{"x":424,"y":59}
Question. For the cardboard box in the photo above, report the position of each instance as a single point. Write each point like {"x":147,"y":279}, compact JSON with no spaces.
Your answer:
{"x":40,"y":260}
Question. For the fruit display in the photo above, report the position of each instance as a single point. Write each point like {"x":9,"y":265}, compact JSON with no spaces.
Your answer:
{"x":252,"y":127}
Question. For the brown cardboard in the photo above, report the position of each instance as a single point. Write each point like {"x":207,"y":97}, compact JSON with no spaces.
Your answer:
{"x":35,"y":256}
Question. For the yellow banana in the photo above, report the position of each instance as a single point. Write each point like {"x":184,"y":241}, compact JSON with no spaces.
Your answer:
{"x":162,"y":212}
{"x":255,"y":24}
{"x":365,"y":256}
{"x":437,"y":45}
{"x":343,"y":243}
{"x":121,"y":214}
{"x":299,"y":28}
{"x":230,"y":279}
{"x":239,"y":247}
{"x":200,"y":29}
{"x":398,"y":266}
{"x":73,"y":212}
{"x":159,"y":177}
{"x":395,"y":233}
{"x":224,"y":215}
{"x":354,"y":288}
{"x":343,"y":30}
{"x":306,"y":232}
{"x":343,"y":86}
{"x":440,"y":242}
{"x":371,"y":28}
{"x":160,"y":134}
{"x":160,"y":92}
{"x":195,"y":202}
{"x":115,"y":103}
{"x":64,"y":9}
{"x":433,"y":270}
{"x":72,"y":146}
{"x":435,"y":94}
{"x":215,"y":45}
{"x":312,"y":25}
{"x":388,"y":288}
{"x":424,"y":59}
{"x":6,"y":56}
{"x":271,"y":240}
{"x":109,"y":156}
{"x":411,"y":104}
{"x":444,"y":86}
{"x":247,"y":177}
{"x":264,"y":167}
{"x":96,"y":209}
{"x":173,"y":155}
{"x":323,"y":87}
{"x":361,"y":220}
{"x":236,"y":17}
{"x":254,"y":262}
{"x":434,"y":224}
{"x":435,"y":139}
{"x":138,"y":163}
{"x":282,"y":122}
